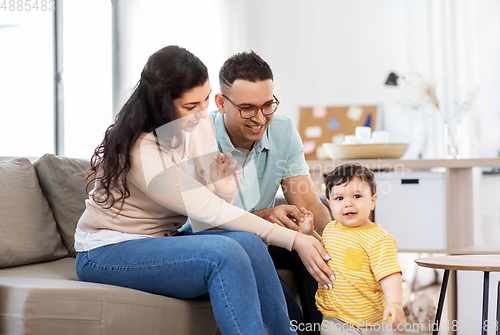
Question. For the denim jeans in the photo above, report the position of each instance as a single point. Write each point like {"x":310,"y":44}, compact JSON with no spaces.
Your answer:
{"x":233,"y":267}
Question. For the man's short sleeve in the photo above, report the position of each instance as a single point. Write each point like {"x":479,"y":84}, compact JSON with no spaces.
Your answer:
{"x":296,"y":164}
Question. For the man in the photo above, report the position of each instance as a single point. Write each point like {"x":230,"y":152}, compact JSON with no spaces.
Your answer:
{"x":270,"y":151}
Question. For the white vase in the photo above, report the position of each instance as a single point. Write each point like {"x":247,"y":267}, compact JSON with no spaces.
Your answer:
{"x":451,"y":142}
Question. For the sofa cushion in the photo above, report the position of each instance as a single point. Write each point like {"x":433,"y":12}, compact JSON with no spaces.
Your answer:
{"x":63,"y":183}
{"x":38,"y":299}
{"x":28,"y":231}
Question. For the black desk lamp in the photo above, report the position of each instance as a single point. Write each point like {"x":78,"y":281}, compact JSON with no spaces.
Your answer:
{"x":392,"y":79}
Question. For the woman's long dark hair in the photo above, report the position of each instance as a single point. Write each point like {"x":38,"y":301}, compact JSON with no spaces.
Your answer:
{"x":168,"y":74}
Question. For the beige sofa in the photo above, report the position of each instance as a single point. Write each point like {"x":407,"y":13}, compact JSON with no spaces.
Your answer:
{"x":40,"y":293}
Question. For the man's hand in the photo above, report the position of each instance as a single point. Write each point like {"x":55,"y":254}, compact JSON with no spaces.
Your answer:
{"x":287,"y":216}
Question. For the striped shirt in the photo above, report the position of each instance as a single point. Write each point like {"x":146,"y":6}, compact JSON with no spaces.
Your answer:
{"x":360,"y":258}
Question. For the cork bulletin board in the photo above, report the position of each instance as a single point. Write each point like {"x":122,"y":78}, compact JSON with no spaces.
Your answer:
{"x":318,"y":125}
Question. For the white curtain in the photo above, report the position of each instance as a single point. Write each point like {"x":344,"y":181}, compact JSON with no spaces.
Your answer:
{"x":464,"y":46}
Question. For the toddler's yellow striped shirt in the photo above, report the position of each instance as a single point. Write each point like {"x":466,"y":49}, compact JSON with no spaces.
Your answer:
{"x":360,"y":258}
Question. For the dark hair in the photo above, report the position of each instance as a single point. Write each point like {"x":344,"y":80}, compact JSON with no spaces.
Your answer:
{"x":343,"y":174}
{"x":245,"y":65}
{"x":168,"y":74}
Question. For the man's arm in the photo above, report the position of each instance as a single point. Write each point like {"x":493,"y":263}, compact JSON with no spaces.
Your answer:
{"x":299,"y":191}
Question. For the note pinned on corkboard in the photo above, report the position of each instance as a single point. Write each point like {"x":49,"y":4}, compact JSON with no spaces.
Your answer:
{"x":322,"y":124}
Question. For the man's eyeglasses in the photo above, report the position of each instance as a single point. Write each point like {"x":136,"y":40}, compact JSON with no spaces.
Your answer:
{"x":249,"y":111}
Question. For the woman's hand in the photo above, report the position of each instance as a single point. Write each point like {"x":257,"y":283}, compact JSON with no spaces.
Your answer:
{"x":225,"y":174}
{"x":314,"y":258}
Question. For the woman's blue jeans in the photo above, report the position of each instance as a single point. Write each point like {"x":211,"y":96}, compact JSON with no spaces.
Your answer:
{"x":233,"y":267}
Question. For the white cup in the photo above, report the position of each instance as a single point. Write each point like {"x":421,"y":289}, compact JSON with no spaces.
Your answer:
{"x":350,"y":139}
{"x":380,"y":136}
{"x":363,"y":134}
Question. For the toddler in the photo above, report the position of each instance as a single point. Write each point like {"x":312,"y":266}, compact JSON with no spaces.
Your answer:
{"x":367,"y":291}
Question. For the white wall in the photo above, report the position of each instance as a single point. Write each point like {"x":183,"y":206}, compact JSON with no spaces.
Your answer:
{"x":470,"y":302}
{"x":489,"y":52}
{"x":87,"y":74}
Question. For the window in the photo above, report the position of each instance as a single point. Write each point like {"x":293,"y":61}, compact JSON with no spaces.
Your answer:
{"x":26,"y":83}
{"x":27,"y":117}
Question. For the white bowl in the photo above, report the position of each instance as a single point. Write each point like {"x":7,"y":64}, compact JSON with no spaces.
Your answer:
{"x":365,"y":151}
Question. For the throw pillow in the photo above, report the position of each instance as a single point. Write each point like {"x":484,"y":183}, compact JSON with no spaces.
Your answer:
{"x":63,"y":183}
{"x":28,"y":231}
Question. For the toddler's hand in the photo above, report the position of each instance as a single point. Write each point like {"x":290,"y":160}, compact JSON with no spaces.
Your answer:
{"x":307,"y":224}
{"x":396,"y":312}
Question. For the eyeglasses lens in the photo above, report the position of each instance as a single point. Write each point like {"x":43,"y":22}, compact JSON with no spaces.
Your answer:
{"x":267,"y":109}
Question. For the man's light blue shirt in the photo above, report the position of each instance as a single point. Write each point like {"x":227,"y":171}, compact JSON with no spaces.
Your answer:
{"x":278,"y":155}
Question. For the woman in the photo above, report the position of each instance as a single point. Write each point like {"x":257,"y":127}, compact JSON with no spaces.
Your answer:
{"x":156,"y":166}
